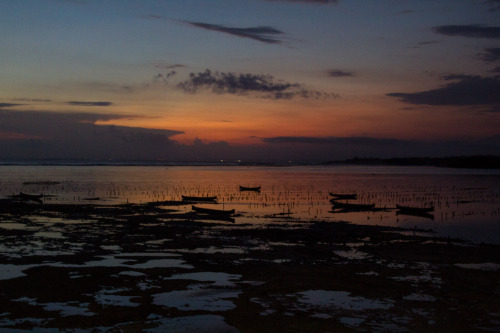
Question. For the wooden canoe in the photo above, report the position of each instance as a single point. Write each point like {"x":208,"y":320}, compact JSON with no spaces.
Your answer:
{"x":255,"y":189}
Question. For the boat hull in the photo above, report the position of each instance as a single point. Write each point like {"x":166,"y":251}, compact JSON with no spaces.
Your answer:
{"x":254,"y":189}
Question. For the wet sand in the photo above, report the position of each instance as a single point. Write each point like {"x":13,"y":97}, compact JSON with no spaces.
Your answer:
{"x":153,"y":268}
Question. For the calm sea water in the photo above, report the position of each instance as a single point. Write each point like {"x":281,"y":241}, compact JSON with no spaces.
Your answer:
{"x":467,"y":202}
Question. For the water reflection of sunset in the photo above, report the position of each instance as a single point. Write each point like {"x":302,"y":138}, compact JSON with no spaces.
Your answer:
{"x":291,"y":193}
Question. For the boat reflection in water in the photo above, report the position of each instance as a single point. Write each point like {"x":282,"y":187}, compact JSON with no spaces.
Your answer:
{"x":415,"y":211}
{"x":346,"y":206}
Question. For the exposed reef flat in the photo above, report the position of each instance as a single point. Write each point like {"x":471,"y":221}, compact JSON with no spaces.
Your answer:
{"x":152,"y":267}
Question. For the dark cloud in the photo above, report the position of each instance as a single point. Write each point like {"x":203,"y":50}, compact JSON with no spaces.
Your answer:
{"x":32,"y":100}
{"x":331,"y":148}
{"x":52,"y":135}
{"x":163,"y":77}
{"x":163,"y":64}
{"x":80,"y":103}
{"x":34,"y":135}
{"x":265,"y":86}
{"x":490,"y":54}
{"x":8,"y":105}
{"x":467,"y":90}
{"x":262,"y":33}
{"x":320,"y":2}
{"x":339,"y":73}
{"x":471,"y":31}
{"x":175,"y":66}
{"x":366,"y":141}
{"x":496,"y":69}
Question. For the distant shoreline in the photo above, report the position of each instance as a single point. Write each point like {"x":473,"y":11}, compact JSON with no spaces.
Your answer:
{"x":460,"y":162}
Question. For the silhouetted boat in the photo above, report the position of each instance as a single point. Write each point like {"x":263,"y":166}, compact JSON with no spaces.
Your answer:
{"x":213,"y":211}
{"x":415,"y":210}
{"x":28,"y":197}
{"x":414,"y":213}
{"x":255,"y":189}
{"x":344,"y":196}
{"x":351,"y":206}
{"x":191,"y":198}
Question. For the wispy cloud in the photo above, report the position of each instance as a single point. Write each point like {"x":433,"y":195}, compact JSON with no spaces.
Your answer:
{"x":339,"y":73}
{"x":467,"y":90}
{"x":163,"y":77}
{"x":490,"y":54}
{"x":262,"y":34}
{"x":163,"y":64}
{"x":265,"y":86}
{"x":32,"y":100}
{"x":471,"y":31}
{"x":80,"y":103}
{"x":427,"y":42}
{"x":8,"y":105}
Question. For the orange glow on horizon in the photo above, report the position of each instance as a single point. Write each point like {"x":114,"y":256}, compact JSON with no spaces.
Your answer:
{"x":244,"y":121}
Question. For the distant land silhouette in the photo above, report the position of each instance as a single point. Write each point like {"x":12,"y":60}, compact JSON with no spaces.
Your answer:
{"x":478,"y":162}
{"x":470,"y":162}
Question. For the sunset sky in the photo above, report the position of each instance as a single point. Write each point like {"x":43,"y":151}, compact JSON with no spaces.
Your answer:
{"x":248,"y":79}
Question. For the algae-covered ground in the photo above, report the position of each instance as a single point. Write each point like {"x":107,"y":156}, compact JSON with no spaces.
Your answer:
{"x":153,"y":268}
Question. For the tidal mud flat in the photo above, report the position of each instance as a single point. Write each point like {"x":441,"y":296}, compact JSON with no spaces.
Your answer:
{"x":151,"y":267}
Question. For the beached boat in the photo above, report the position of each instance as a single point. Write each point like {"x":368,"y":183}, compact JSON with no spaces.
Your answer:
{"x":192,"y":198}
{"x":211,"y":211}
{"x":344,"y":196}
{"x":415,"y":210}
{"x":351,"y":206}
{"x":28,"y":197}
{"x":255,"y":189}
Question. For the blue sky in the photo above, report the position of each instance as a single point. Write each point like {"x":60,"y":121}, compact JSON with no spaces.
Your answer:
{"x":247,"y":76}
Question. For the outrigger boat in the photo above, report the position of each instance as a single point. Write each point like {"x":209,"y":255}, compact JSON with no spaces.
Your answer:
{"x":211,"y":211}
{"x":28,"y":197}
{"x":191,"y":198}
{"x":343,"y":196}
{"x":415,"y":210}
{"x":255,"y":189}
